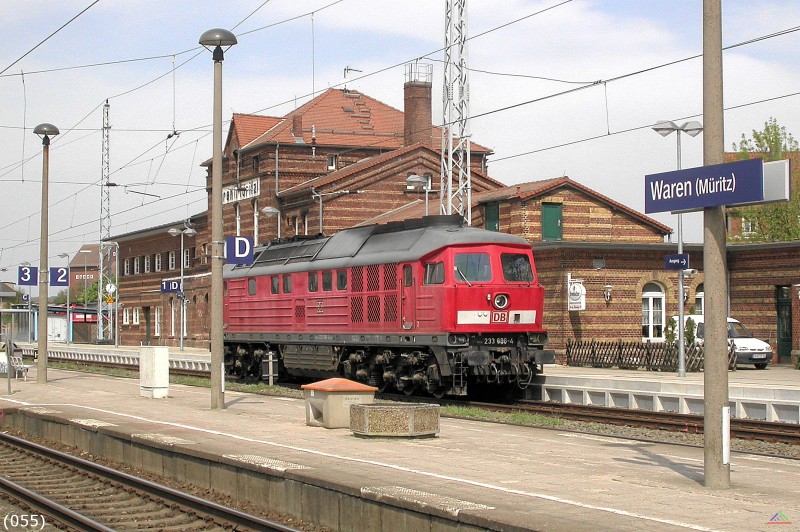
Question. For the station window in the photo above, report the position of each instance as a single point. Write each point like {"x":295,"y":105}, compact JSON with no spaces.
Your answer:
{"x":274,"y":284}
{"x":126,"y":316}
{"x":127,"y":269}
{"x":136,"y":315}
{"x":172,"y":261}
{"x":287,"y":284}
{"x":327,"y":281}
{"x":652,"y":312}
{"x":136,"y":263}
{"x":157,"y":261}
{"x":434,"y":273}
{"x":341,"y":279}
{"x":147,"y":264}
{"x":251,"y":286}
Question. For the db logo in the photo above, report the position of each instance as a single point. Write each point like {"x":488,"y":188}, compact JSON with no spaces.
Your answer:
{"x":499,"y":317}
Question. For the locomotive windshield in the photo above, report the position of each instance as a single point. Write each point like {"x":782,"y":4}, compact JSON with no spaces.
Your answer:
{"x":516,"y":268}
{"x":473,"y":267}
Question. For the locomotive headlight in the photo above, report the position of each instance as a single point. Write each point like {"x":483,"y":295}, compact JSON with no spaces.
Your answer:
{"x":500,"y":301}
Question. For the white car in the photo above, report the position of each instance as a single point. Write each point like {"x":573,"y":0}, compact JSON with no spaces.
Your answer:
{"x":749,"y":350}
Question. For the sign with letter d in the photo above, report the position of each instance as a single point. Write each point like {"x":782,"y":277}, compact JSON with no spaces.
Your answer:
{"x":239,"y":250}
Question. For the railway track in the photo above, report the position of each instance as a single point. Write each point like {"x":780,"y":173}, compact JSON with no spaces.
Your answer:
{"x":75,"y":494}
{"x":751,"y":429}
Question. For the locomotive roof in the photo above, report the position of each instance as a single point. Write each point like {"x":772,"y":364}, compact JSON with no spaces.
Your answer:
{"x":373,"y":244}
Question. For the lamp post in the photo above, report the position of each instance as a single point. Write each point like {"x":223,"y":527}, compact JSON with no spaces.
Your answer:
{"x":217,"y":38}
{"x":69,"y":317}
{"x":693,"y":128}
{"x":45,"y":131}
{"x":272,"y":211}
{"x":320,"y":195}
{"x":417,"y":181}
{"x":181,"y":294}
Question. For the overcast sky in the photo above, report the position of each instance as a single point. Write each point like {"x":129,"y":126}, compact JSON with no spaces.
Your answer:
{"x":598,"y":135}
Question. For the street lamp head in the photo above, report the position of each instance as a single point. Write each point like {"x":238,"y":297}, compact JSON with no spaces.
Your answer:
{"x":692,"y":128}
{"x":189,"y":231}
{"x":174,"y":232}
{"x":217,"y":38}
{"x":665,"y":127}
{"x":270,"y":211}
{"x":416,"y":181}
{"x":46,"y":131}
{"x":64,"y":255}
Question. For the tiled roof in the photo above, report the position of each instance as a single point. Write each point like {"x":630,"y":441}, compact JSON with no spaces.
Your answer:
{"x":522,"y":191}
{"x":247,"y":128}
{"x":340,"y":117}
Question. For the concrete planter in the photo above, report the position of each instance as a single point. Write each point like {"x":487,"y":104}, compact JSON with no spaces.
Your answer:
{"x":394,"y":420}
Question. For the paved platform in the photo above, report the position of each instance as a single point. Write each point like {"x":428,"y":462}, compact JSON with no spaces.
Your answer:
{"x":772,"y":394}
{"x":472,"y":476}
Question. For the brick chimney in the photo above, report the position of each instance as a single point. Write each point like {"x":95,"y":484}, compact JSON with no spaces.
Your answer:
{"x":297,"y":125}
{"x":417,"y":124}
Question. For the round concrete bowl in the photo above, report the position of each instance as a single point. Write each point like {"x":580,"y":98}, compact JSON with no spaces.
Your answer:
{"x":394,"y":420}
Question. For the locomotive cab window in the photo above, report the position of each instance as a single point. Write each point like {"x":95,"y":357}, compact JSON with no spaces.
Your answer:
{"x":341,"y":279}
{"x":434,"y":273}
{"x":516,"y":268}
{"x":251,"y":286}
{"x":472,"y":268}
{"x":287,"y":284}
{"x":327,"y":281}
{"x":312,"y":282}
{"x":274,"y":284}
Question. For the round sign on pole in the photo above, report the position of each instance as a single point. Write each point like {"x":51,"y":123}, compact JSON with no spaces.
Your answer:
{"x":110,"y":288}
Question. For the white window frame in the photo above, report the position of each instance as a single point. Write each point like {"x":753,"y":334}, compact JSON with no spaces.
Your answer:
{"x":653,"y":312}
{"x":136,"y":315}
{"x":127,"y":269}
{"x":126,"y":316}
{"x":332,"y":159}
{"x":157,"y":326}
{"x":136,"y":265}
{"x":172,"y":317}
{"x":157,"y":261}
{"x":187,"y":258}
{"x":172,"y":263}
{"x":700,"y":299}
{"x":147,"y":264}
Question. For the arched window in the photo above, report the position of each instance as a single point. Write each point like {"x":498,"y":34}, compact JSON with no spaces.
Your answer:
{"x":699,"y":299}
{"x":652,"y":312}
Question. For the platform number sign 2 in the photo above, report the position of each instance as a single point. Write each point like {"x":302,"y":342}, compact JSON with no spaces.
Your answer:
{"x":59,"y":276}
{"x":28,"y":276}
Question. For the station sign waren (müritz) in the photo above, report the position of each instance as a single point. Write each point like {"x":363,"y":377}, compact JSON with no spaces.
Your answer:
{"x":705,"y":186}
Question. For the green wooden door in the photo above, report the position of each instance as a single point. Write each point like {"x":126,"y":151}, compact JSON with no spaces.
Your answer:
{"x":551,"y":221}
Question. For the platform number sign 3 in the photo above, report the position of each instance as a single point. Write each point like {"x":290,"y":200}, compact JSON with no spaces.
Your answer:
{"x":28,"y":276}
{"x":59,"y":276}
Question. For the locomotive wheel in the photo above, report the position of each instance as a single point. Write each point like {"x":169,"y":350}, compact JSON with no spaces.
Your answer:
{"x":440,"y":392}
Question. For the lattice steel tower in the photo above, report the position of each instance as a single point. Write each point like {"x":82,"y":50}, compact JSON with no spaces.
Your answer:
{"x":105,"y":317}
{"x":455,"y":128}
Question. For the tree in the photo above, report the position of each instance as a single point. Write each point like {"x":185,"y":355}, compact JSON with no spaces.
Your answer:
{"x":775,"y":222}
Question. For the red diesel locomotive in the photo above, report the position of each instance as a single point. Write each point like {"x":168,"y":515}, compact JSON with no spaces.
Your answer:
{"x":426,"y":305}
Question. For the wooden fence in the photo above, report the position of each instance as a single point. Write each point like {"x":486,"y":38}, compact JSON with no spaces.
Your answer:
{"x":661,"y":356}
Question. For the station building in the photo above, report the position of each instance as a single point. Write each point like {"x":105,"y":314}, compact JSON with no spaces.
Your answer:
{"x":343,"y":159}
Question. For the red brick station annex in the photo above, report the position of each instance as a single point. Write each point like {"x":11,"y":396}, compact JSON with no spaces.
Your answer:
{"x":298,"y":175}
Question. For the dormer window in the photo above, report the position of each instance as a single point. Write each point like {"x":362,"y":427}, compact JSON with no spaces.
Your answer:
{"x":332,"y":159}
